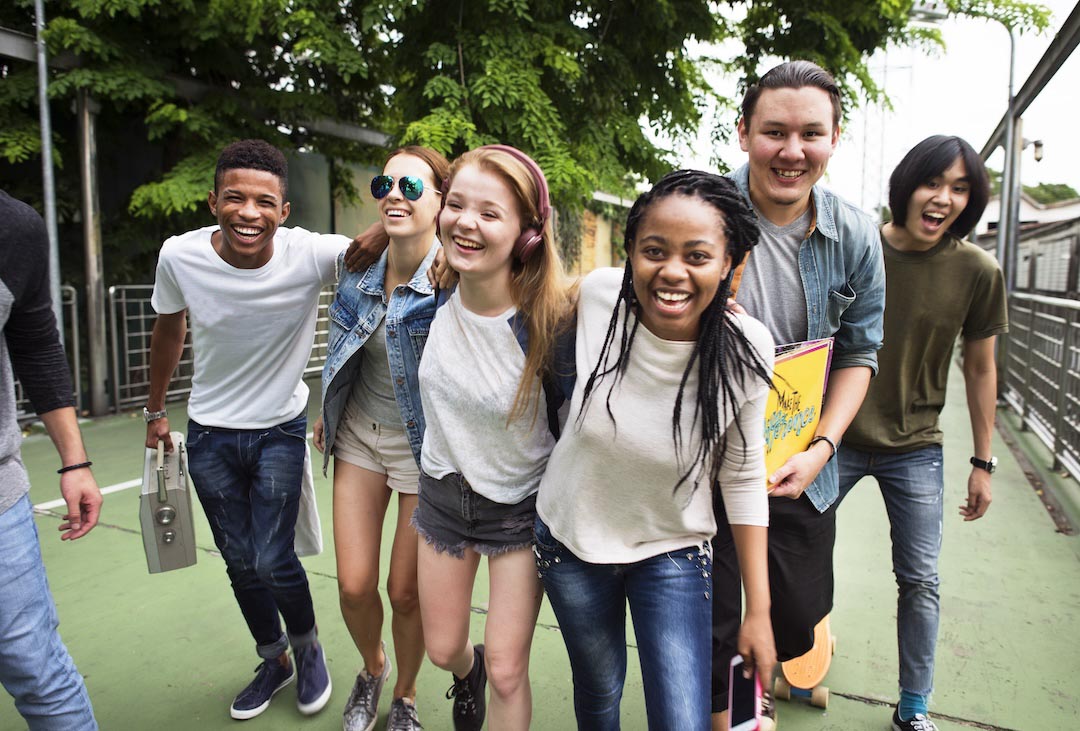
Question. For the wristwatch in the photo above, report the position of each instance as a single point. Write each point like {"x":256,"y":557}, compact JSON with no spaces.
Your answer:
{"x":989,"y":465}
{"x":149,"y":416}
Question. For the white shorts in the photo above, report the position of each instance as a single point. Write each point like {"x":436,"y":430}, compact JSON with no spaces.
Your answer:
{"x":362,"y":442}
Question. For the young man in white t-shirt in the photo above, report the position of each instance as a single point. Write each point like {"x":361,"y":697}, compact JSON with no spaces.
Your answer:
{"x":251,"y":291}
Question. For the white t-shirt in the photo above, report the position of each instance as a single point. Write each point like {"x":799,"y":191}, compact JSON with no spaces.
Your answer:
{"x":251,"y":329}
{"x":608,"y":494}
{"x":468,"y":379}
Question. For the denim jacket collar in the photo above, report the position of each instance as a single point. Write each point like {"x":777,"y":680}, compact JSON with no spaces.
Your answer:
{"x":824,"y":217}
{"x":373,"y":280}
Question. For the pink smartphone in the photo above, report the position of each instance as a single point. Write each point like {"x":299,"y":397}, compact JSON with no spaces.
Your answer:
{"x":744,"y":698}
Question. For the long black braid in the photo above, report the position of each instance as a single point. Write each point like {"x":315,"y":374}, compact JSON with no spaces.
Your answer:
{"x":722,"y":352}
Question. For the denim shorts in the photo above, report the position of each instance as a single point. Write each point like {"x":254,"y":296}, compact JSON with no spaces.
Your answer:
{"x":451,"y":517}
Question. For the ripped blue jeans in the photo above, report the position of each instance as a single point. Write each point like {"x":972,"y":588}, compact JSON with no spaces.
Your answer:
{"x":912,"y":486}
{"x":671,"y":606}
{"x":248,"y":482}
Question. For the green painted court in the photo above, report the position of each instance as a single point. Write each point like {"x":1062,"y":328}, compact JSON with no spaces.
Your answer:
{"x":169,"y":651}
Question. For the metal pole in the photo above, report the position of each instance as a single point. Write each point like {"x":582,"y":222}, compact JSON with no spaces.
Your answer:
{"x":47,"y":170}
{"x":1004,"y":207}
{"x":1012,"y":244}
{"x":95,"y":289}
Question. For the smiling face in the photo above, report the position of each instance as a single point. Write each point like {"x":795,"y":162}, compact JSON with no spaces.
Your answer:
{"x":790,"y":138}
{"x":679,"y":257}
{"x":936,"y":204}
{"x":249,"y":207}
{"x":479,"y":223}
{"x":401,"y":217}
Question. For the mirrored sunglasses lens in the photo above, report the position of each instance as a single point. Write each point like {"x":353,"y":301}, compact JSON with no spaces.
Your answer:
{"x":412,"y":187}
{"x":381,"y":185}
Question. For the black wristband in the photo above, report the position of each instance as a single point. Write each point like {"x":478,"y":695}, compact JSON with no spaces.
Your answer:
{"x":823,"y":438}
{"x":71,"y":467}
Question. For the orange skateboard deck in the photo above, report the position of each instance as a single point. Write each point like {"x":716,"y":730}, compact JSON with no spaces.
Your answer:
{"x":802,"y":676}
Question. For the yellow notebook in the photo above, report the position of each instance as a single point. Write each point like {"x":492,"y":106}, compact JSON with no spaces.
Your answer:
{"x":794,"y":407}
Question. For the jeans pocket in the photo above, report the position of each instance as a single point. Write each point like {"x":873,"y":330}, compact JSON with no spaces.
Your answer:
{"x":546,"y":548}
{"x":195,"y":434}
{"x":297,"y":428}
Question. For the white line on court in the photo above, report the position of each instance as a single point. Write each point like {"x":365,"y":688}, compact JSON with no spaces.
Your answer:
{"x":105,"y":490}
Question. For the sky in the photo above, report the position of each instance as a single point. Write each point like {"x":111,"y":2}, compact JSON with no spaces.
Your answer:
{"x":963,"y":91}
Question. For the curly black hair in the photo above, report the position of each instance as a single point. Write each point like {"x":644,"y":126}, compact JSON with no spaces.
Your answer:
{"x":253,"y":155}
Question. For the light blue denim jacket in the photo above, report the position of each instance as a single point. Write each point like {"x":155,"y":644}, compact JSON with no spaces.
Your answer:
{"x":354,"y":314}
{"x":843,"y":276}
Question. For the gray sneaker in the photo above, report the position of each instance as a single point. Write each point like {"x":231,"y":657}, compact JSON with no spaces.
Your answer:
{"x":362,"y":708}
{"x":403,"y":717}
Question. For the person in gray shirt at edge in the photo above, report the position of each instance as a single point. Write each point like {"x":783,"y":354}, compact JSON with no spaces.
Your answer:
{"x":35,"y":667}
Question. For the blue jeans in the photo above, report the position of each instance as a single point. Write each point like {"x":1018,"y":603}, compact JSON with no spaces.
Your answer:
{"x":248,"y":482}
{"x":912,"y":485}
{"x":35,"y":667}
{"x":671,"y":605}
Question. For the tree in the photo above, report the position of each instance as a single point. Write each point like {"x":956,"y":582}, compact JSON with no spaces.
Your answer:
{"x":1051,"y":192}
{"x":176,"y":81}
{"x":586,"y":86}
{"x":1042,"y":193}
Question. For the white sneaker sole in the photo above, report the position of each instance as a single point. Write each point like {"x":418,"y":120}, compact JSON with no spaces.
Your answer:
{"x":253,"y":712}
{"x":309,"y":709}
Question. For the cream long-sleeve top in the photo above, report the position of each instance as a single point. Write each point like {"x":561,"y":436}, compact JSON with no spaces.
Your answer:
{"x":608,"y":493}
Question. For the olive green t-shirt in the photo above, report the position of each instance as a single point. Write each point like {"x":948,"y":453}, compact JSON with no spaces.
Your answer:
{"x":931,"y":297}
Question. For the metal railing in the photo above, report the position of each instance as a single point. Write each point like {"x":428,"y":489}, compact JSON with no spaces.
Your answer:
{"x":69,"y":302}
{"x":1041,"y":370}
{"x":131,"y":321}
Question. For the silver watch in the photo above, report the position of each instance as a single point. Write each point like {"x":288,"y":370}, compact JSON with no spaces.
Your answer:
{"x":149,"y":416}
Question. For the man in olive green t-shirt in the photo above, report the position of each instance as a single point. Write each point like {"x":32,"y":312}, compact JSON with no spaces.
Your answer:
{"x":938,"y":287}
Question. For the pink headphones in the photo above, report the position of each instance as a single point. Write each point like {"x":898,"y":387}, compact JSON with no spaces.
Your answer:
{"x":531,"y":237}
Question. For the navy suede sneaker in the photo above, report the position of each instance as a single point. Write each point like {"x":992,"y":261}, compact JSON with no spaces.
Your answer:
{"x":313,"y":679}
{"x":270,"y":677}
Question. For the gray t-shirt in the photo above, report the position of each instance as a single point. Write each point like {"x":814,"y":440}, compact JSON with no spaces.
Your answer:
{"x":772,"y":287}
{"x":373,"y":389}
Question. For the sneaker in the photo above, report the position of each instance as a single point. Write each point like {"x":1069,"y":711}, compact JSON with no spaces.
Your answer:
{"x":312,"y":678}
{"x":468,"y":694}
{"x":403,"y":716}
{"x":362,"y":708}
{"x":918,"y":722}
{"x":270,"y":677}
{"x":768,"y":712}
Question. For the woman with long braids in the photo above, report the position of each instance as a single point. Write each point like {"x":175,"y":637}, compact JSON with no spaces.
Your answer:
{"x":625,"y":504}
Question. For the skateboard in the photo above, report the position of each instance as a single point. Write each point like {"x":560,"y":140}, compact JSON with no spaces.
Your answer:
{"x":801,"y":677}
{"x":165,"y":515}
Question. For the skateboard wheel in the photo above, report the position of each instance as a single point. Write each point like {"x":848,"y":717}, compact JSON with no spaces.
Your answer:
{"x":781,"y":689}
{"x":819,"y":697}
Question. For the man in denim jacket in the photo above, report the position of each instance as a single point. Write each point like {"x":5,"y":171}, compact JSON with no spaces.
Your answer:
{"x":818,"y":272}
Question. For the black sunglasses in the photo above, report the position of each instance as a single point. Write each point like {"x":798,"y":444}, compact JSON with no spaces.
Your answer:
{"x":410,"y":186}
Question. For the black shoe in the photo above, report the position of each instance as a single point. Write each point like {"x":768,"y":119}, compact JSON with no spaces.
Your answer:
{"x":270,"y":677}
{"x":468,"y":694}
{"x":313,"y":678}
{"x":918,"y":722}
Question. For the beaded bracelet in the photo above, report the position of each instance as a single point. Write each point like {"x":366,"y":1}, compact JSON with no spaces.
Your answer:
{"x":71,"y":467}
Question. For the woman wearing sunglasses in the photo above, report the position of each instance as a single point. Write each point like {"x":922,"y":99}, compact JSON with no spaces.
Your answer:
{"x":488,"y":432}
{"x":373,"y":423}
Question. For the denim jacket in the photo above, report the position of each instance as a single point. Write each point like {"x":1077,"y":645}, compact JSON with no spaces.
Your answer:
{"x":843,"y":275}
{"x":354,"y":314}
